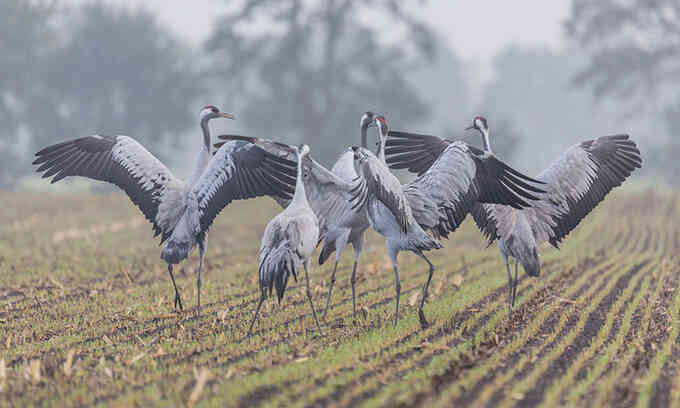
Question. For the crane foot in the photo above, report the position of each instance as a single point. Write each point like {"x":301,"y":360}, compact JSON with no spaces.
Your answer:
{"x":423,"y":321}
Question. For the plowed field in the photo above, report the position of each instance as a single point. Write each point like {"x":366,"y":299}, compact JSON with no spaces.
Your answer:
{"x":87,"y":317}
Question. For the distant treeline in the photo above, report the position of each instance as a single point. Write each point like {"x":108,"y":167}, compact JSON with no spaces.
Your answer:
{"x":310,"y":73}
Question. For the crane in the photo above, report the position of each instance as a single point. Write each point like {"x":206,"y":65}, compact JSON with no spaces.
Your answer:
{"x":288,"y":242}
{"x":575,"y":184}
{"x":413,"y":217}
{"x":180,"y":211}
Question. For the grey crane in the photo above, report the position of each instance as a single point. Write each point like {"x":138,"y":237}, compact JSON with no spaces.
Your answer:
{"x":180,"y":211}
{"x":414,"y":216}
{"x":337,"y":236}
{"x":575,"y":184}
{"x":288,"y":242}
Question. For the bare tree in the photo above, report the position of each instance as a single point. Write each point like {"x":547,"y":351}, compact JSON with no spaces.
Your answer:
{"x":118,"y":71}
{"x":310,"y":68}
{"x":634,"y":48}
{"x":634,"y":45}
{"x":24,"y":40}
{"x":69,"y":72}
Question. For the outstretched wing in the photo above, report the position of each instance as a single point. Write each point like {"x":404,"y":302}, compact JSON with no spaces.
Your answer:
{"x":577,"y":182}
{"x":278,"y":149}
{"x":120,"y":160}
{"x":240,"y":169}
{"x":580,"y":179}
{"x":453,"y":176}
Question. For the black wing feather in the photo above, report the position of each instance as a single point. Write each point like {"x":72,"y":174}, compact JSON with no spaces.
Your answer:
{"x":241,"y":170}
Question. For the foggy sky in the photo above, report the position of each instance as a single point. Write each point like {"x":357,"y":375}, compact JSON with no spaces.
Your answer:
{"x":475,"y":30}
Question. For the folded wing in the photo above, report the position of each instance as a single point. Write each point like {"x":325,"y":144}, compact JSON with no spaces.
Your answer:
{"x":378,"y":181}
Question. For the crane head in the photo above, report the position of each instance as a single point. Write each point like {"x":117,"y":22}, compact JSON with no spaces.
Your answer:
{"x":479,"y":123}
{"x":381,"y":123}
{"x":367,"y":120}
{"x":302,"y":150}
{"x":211,"y":112}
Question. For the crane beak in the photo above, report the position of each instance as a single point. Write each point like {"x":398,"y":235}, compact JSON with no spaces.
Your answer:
{"x":227,"y":115}
{"x":470,"y":127}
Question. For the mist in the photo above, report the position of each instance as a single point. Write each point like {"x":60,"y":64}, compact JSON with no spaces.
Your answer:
{"x":304,"y":72}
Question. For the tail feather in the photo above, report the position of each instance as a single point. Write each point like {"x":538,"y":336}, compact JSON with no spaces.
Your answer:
{"x":532,"y":265}
{"x":175,"y":251}
{"x":275,"y":270}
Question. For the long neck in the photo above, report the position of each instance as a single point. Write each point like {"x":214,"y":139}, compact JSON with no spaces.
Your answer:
{"x":206,"y":133}
{"x":485,"y":140}
{"x":381,"y":149}
{"x":364,"y":135}
{"x":203,"y":156}
{"x":300,"y":195}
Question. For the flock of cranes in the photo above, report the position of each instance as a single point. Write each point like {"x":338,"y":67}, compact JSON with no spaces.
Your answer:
{"x":335,"y":207}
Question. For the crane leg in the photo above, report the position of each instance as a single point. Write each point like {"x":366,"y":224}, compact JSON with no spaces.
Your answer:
{"x":330,"y":289}
{"x":421,"y":314}
{"x":257,"y":312}
{"x":358,"y":245}
{"x":201,"y":248}
{"x":514,"y":287}
{"x":353,"y":281}
{"x":507,"y":267}
{"x":397,"y":287}
{"x":178,"y":300}
{"x":309,"y":296}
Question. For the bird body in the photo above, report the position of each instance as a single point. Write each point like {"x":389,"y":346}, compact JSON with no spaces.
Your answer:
{"x":353,"y":229}
{"x":412,"y":237}
{"x":520,"y":243}
{"x":289,"y":238}
{"x":185,"y":233}
{"x":344,"y":167}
